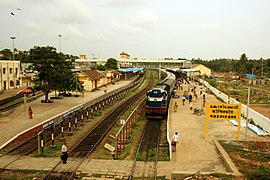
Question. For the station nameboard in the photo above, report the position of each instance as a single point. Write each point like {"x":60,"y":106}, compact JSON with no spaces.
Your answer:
{"x":222,"y":112}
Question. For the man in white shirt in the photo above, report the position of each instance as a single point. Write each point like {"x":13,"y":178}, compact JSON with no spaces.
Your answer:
{"x":64,"y":155}
{"x":174,"y":141}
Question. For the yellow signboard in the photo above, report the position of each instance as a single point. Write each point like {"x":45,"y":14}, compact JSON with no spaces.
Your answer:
{"x":222,"y":112}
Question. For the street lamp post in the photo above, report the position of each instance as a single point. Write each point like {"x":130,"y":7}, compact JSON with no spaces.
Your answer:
{"x":13,"y":53}
{"x":59,"y":42}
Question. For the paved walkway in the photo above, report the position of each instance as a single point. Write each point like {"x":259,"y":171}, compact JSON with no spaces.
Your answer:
{"x":193,"y":154}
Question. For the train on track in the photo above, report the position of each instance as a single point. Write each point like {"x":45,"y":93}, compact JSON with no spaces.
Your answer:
{"x":158,"y":98}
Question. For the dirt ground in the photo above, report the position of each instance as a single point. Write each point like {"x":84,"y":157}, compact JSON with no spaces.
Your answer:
{"x":261,"y":109}
{"x":21,"y":175}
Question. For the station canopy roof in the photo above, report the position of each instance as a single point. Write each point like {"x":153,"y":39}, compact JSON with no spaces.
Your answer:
{"x":251,"y":75}
{"x":133,"y":70}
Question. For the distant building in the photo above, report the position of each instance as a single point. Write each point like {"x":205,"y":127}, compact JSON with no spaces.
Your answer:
{"x":82,"y":56}
{"x":133,"y":63}
{"x":10,"y":74}
{"x":87,"y":64}
{"x":124,"y":64}
{"x":125,"y":61}
{"x":203,"y":70}
{"x":124,"y":55}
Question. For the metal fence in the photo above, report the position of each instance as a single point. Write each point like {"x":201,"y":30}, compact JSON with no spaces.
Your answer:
{"x":125,"y":131}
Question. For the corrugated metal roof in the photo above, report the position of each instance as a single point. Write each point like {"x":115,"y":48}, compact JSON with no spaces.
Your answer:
{"x":133,"y":70}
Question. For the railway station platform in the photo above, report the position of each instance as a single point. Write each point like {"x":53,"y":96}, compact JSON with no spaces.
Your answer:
{"x":193,"y":152}
{"x":18,"y":121}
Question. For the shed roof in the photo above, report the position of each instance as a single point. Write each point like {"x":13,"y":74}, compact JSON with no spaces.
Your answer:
{"x":134,"y":70}
{"x":94,"y":74}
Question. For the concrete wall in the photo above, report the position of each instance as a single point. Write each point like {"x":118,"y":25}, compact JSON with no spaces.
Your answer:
{"x":10,"y":74}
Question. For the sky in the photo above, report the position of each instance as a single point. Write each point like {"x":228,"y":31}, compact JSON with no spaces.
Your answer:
{"x":146,"y":29}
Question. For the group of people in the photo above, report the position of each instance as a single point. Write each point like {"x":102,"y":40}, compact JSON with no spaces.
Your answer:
{"x":175,"y":138}
{"x":183,"y":100}
{"x":190,"y":96}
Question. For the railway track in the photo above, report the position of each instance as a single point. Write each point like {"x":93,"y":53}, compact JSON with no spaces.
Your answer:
{"x":148,"y":150}
{"x":4,"y":103}
{"x":20,"y":150}
{"x":83,"y":149}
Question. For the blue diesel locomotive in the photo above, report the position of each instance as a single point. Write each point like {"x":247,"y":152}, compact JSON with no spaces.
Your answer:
{"x":158,"y":98}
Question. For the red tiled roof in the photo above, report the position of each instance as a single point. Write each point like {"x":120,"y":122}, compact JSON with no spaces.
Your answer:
{"x":109,"y":69}
{"x":93,"y":74}
{"x":115,"y":72}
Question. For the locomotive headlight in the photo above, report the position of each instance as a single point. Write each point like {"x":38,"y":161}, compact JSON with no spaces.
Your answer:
{"x":155,"y":100}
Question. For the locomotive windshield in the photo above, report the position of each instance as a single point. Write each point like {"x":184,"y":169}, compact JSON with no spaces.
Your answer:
{"x":156,"y":93}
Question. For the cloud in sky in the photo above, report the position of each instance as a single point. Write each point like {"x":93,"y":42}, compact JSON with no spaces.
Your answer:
{"x":144,"y":28}
{"x":69,"y":11}
{"x":146,"y":19}
{"x":124,"y":28}
{"x":123,"y":3}
{"x":72,"y":31}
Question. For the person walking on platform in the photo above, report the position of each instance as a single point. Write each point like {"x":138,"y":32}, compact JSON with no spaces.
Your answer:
{"x":64,"y":155}
{"x":174,"y":141}
{"x":190,"y":98}
{"x":175,"y":107}
{"x":195,"y":95}
{"x":203,"y":98}
{"x":183,"y":99}
{"x":191,"y":105}
{"x":30,"y":113}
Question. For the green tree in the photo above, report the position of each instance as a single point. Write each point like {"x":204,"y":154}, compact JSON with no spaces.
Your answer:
{"x":101,"y":68}
{"x":111,"y":63}
{"x":21,"y":55}
{"x":54,"y":72}
{"x":243,"y":62}
{"x":266,"y":67}
{"x":7,"y":54}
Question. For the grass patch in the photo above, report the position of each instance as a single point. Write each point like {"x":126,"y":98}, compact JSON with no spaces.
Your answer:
{"x":14,"y":177}
{"x":126,"y":152}
{"x":250,"y":157}
{"x":231,"y":146}
{"x":223,"y":176}
{"x":165,"y":154}
{"x":13,"y":102}
{"x":50,"y":152}
{"x":134,"y":139}
{"x":98,"y":175}
{"x":22,"y":174}
{"x":147,"y":156}
{"x":260,"y":172}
